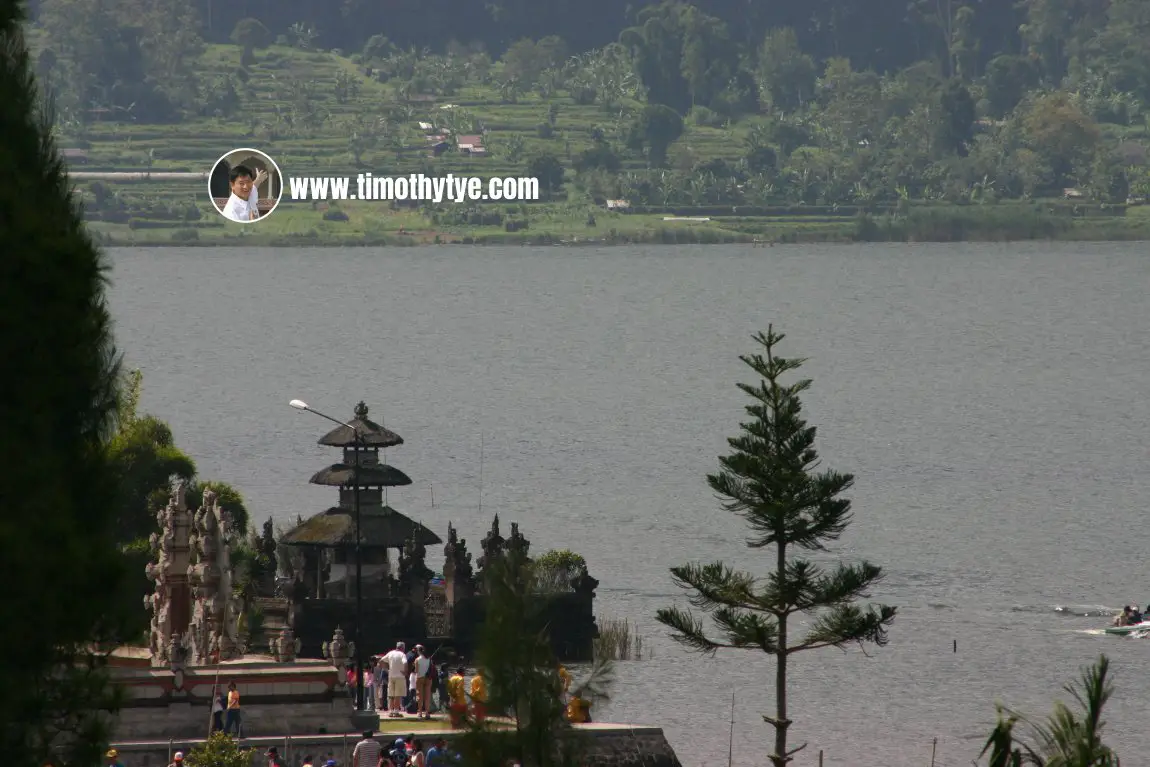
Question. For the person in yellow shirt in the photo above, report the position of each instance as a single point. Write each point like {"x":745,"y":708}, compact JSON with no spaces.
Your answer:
{"x":578,"y":710}
{"x":457,"y":699}
{"x":478,"y":697}
{"x":232,"y":717}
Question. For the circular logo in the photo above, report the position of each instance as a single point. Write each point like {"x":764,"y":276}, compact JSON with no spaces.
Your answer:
{"x":245,"y":185}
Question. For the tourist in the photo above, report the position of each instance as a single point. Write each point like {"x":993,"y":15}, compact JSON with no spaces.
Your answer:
{"x":397,"y":754}
{"x":565,"y":682}
{"x":219,"y":703}
{"x":423,"y":683}
{"x":233,"y":721}
{"x":367,"y":751}
{"x":396,"y":661}
{"x":411,"y":704}
{"x":177,"y":760}
{"x":437,"y":755}
{"x":478,"y":696}
{"x":409,"y":698}
{"x":579,"y":710}
{"x":307,"y":761}
{"x":113,"y":758}
{"x":369,"y":688}
{"x":457,"y":706}
{"x":444,"y":675}
{"x":416,"y":757}
{"x":273,"y":756}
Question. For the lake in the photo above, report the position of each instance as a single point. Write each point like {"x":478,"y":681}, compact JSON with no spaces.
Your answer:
{"x":991,"y":401}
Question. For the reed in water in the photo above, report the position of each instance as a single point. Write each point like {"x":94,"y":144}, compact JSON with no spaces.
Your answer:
{"x":618,"y":640}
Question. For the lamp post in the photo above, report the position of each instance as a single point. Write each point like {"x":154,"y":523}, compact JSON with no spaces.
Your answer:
{"x":361,"y":712}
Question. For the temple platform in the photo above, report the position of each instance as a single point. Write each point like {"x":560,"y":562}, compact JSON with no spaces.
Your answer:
{"x":302,"y":696}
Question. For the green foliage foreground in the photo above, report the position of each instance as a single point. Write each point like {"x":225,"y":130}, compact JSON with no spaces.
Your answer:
{"x":1068,"y":738}
{"x":771,"y":481}
{"x":58,"y":400}
{"x":523,"y":681}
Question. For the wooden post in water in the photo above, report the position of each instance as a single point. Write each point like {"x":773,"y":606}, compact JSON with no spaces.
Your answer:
{"x":956,"y":645}
{"x":933,"y":751}
{"x":731,"y":738}
{"x":820,"y":757}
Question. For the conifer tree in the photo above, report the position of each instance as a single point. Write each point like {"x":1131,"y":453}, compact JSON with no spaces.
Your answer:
{"x":58,"y":400}
{"x":772,"y":480}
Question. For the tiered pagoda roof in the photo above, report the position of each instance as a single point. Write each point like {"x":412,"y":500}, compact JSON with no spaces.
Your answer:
{"x":380,"y":526}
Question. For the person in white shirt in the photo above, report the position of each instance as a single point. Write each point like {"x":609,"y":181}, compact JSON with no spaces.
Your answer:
{"x":243,"y":204}
{"x":396,"y":662}
{"x":423,"y":682}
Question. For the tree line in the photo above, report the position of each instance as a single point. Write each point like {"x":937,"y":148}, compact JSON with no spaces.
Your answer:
{"x":970,"y":115}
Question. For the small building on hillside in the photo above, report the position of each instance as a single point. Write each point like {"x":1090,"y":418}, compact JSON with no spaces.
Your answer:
{"x":472,"y":145}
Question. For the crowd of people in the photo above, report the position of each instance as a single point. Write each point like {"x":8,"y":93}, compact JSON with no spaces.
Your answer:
{"x":406,"y":682}
{"x":397,"y":684}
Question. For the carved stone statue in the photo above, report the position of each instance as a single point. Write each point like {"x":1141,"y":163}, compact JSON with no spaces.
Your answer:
{"x":338,"y":650}
{"x":192,"y":572}
{"x":413,"y":571}
{"x":285,"y":647}
{"x":458,"y":578}
{"x":585,"y":585}
{"x":493,"y":546}
{"x":517,"y":546}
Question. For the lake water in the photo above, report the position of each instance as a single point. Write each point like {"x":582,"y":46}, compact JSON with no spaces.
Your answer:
{"x":991,"y":401}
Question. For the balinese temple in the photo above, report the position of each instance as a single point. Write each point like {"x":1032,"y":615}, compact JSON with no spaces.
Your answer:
{"x":394,"y":587}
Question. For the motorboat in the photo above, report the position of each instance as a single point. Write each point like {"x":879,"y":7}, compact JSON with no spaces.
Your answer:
{"x":1126,"y":630}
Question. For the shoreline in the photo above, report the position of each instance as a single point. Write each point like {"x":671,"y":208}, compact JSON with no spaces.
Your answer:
{"x":401,"y":241}
{"x":580,"y":225}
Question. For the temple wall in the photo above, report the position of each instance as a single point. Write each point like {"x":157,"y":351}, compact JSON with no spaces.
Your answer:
{"x":611,"y":745}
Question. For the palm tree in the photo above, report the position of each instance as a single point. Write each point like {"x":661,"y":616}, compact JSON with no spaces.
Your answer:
{"x":1068,"y":738}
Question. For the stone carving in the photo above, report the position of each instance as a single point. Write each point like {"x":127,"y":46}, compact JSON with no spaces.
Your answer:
{"x":193,"y":575}
{"x":285,"y":647}
{"x":585,"y":585}
{"x":517,"y":546}
{"x":338,"y":651}
{"x":458,"y":576}
{"x":493,"y":546}
{"x":438,"y":614}
{"x":413,"y":570}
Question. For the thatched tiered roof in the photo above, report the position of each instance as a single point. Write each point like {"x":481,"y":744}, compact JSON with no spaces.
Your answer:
{"x":374,"y":475}
{"x":380,"y":528}
{"x":373,"y":434}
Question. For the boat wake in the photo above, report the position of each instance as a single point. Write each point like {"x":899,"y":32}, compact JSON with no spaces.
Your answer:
{"x":1087,"y":611}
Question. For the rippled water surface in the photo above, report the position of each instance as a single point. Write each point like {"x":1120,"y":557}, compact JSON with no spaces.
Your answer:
{"x":992,"y":402}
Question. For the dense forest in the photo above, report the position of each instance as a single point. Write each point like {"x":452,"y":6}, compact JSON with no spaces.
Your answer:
{"x":831,"y":101}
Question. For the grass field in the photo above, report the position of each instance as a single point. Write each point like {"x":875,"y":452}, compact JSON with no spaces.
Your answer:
{"x":303,"y":108}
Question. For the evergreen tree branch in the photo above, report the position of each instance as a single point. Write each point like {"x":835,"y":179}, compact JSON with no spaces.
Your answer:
{"x":687,"y":630}
{"x":846,"y":624}
{"x":716,"y":584}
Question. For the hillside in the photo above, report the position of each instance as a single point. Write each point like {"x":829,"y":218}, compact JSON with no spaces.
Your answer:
{"x":679,"y":118}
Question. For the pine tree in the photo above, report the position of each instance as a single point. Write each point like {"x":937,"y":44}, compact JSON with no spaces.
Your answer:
{"x":771,"y":480}
{"x":58,"y":402}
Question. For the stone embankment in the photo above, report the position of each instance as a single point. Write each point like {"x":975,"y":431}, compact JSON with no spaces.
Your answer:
{"x":611,"y":745}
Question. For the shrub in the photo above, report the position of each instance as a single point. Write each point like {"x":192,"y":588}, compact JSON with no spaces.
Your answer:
{"x":219,"y":750}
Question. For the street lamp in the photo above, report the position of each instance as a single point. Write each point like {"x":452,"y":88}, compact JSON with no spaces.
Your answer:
{"x":361,"y":712}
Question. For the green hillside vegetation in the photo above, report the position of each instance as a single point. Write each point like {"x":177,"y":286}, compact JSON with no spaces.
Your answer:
{"x":765,"y":142}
